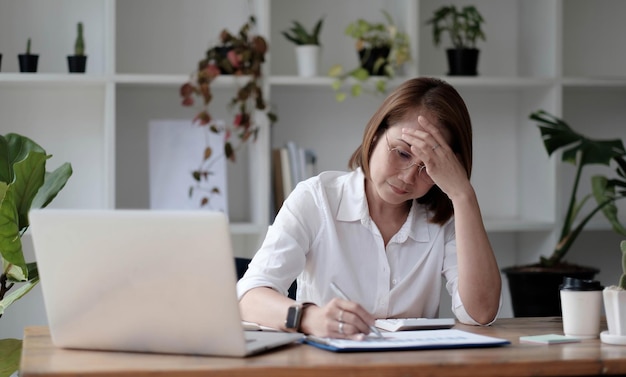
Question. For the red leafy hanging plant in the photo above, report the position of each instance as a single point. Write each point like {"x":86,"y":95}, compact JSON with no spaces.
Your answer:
{"x":242,"y":54}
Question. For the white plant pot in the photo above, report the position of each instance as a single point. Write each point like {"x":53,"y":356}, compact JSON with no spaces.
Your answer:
{"x":308,"y":57}
{"x":615,"y":310}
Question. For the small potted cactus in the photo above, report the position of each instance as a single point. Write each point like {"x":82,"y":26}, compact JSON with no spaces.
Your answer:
{"x":78,"y":62}
{"x":28,"y":61}
{"x":615,"y":307}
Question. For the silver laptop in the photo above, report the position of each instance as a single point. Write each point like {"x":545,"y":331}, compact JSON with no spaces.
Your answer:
{"x":143,"y":280}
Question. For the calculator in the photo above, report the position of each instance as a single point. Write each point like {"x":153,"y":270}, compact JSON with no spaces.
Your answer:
{"x":401,"y":324}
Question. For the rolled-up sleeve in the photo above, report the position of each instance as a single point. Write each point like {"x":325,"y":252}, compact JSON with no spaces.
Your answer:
{"x":282,"y":255}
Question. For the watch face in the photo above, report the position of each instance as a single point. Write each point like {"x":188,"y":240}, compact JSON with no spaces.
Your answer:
{"x":293,"y":317}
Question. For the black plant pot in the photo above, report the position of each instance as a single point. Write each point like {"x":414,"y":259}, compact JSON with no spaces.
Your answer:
{"x":535,"y":290}
{"x":463,"y":61}
{"x":368,"y":58}
{"x":77,"y":63}
{"x":28,"y":62}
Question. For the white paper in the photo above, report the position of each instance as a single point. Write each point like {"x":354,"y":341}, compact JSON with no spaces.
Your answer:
{"x":413,"y":339}
{"x":176,"y":149}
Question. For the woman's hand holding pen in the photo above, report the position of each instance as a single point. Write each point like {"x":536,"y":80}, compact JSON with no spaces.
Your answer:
{"x":339,"y":318}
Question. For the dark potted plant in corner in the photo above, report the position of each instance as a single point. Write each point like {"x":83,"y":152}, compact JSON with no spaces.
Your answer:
{"x":28,"y":61}
{"x":535,"y":288}
{"x":78,"y":62}
{"x":381,"y":49}
{"x":307,"y":47}
{"x":24,"y":184}
{"x":464,"y":27}
{"x":242,"y":55}
{"x":614,"y":297}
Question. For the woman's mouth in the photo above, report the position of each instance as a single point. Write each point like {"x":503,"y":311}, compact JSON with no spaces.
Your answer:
{"x":397,"y":190}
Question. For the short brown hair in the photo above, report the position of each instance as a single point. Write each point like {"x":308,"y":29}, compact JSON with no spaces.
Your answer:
{"x":443,"y":102}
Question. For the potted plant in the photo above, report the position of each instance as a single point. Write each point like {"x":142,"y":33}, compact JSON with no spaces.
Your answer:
{"x":464,"y":27}
{"x":28,"y":61}
{"x":24,"y":184}
{"x":76,"y":63}
{"x":615,"y":307}
{"x":241,"y":54}
{"x":381,"y":49}
{"x":307,"y":46}
{"x":535,"y":288}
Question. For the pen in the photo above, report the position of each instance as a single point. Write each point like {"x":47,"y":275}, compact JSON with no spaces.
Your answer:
{"x":340,"y":293}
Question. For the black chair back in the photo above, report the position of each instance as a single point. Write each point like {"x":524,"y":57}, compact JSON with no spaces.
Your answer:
{"x":241,"y":265}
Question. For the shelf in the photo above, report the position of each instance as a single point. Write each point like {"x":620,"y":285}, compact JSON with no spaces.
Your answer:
{"x":226,"y":81}
{"x":160,"y":80}
{"x":461,"y":82}
{"x":599,"y":82}
{"x":300,"y":81}
{"x":222,"y":81}
{"x":517,"y":225}
{"x":45,"y":79}
{"x":246,"y":228}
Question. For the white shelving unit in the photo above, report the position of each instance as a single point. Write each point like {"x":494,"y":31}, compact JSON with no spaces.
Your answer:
{"x":563,"y":56}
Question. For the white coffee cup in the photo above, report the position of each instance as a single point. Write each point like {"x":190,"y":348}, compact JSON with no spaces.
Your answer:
{"x":581,"y":307}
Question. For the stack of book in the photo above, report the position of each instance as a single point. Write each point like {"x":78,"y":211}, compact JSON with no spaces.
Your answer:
{"x":290,"y":165}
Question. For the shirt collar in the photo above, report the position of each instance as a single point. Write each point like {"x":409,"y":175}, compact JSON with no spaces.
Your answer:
{"x":353,"y":207}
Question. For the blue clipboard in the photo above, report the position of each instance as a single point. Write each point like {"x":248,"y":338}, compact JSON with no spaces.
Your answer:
{"x":409,"y":340}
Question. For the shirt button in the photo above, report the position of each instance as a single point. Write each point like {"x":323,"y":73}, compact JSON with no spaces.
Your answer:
{"x":394,"y":282}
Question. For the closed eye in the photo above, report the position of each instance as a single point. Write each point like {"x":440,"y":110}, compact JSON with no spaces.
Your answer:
{"x":403,"y":155}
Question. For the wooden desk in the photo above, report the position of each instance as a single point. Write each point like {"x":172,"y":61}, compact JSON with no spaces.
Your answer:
{"x":590,"y":357}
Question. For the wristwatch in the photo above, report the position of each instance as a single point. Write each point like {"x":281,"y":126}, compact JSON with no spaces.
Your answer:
{"x":294,"y":315}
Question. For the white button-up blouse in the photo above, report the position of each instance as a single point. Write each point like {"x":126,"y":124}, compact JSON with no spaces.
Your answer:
{"x":324,"y":233}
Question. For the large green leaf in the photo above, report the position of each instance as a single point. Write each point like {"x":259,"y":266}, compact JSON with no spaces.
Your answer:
{"x":556,"y":134}
{"x":29,"y":174}
{"x":604,"y":192}
{"x":17,"y":294}
{"x":53,"y":183}
{"x":10,"y":354}
{"x":13,"y":148}
{"x":10,"y":241}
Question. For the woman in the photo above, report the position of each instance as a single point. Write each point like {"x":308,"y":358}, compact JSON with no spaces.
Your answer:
{"x":387,"y":233}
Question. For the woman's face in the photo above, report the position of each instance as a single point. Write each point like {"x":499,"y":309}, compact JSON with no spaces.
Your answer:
{"x":396,"y":174}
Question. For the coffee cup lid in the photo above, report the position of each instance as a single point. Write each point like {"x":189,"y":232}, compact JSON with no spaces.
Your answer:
{"x":574,"y":284}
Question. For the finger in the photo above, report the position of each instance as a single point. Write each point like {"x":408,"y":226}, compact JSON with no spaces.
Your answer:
{"x":435,"y":132}
{"x":356,"y":316}
{"x":355,"y":322}
{"x":421,"y":142}
{"x":348,"y":331}
{"x":340,"y":328}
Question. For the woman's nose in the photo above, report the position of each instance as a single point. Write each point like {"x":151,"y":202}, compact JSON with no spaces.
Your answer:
{"x":409,"y":175}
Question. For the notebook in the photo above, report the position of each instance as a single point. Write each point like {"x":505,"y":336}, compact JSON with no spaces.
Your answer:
{"x":409,"y":340}
{"x":143,"y":280}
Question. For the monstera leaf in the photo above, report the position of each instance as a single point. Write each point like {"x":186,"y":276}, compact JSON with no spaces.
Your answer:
{"x":580,"y":151}
{"x":556,"y":134}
